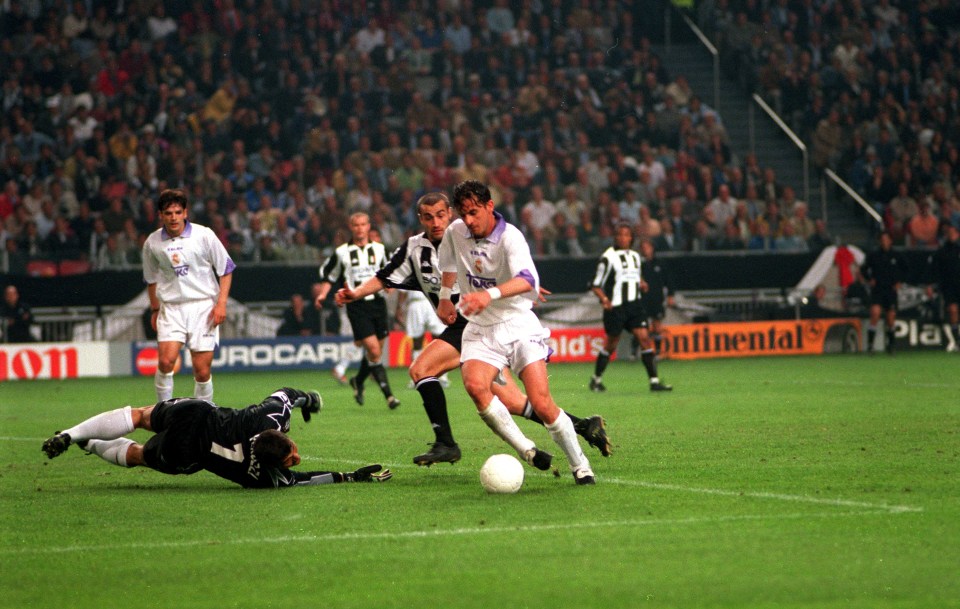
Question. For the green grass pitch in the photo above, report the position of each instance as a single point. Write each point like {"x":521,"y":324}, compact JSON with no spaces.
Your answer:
{"x":815,"y":482}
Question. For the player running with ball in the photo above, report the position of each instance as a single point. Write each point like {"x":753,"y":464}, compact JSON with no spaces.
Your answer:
{"x":414,"y":266}
{"x":490,"y":261}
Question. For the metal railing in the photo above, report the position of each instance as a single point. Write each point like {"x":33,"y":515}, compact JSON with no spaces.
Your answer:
{"x":854,"y":195}
{"x":796,"y":142}
{"x":713,"y":52}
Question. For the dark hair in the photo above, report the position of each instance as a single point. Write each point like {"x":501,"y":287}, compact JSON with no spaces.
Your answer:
{"x":172,"y":196}
{"x":271,"y":447}
{"x":432,"y":198}
{"x":470,"y":190}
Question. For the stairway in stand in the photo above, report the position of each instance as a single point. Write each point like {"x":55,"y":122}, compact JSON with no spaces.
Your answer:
{"x":772,"y":147}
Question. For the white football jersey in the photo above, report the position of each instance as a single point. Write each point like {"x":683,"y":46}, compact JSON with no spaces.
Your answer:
{"x":489,"y":262}
{"x":186,"y":267}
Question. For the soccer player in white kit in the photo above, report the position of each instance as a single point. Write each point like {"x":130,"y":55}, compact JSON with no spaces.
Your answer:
{"x":490,"y":261}
{"x":188,"y":275}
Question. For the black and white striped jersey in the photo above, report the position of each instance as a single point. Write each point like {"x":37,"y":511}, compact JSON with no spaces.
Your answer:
{"x":414,"y":266}
{"x":618,"y":275}
{"x":354,"y":264}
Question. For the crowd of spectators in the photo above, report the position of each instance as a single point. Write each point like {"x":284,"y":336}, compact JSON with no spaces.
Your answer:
{"x":282,"y":117}
{"x":873,"y":87}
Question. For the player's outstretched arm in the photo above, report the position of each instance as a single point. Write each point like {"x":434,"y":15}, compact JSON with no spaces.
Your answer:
{"x":347,"y":295}
{"x":369,"y":473}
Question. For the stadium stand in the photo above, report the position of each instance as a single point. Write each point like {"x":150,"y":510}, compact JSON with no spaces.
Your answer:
{"x":282,"y":117}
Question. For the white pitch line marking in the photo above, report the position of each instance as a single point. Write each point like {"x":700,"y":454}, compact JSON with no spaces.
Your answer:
{"x":835,"y":502}
{"x":893,"y":509}
{"x":424,"y":534}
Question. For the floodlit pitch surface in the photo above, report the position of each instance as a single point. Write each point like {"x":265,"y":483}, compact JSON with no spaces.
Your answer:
{"x":821,"y":482}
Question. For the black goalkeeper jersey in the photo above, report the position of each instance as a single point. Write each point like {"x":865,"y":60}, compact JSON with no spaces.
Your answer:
{"x":219,"y":439}
{"x":231,"y":433}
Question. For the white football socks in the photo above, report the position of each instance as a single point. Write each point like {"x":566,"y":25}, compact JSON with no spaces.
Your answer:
{"x":163,"y":381}
{"x":106,"y":425}
{"x":203,"y":390}
{"x":498,"y":418}
{"x":564,"y":435}
{"x":113,"y":451}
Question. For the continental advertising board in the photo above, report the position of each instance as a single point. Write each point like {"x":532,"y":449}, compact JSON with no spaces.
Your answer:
{"x":762,"y":338}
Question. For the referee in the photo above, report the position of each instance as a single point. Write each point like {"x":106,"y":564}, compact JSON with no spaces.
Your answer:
{"x":355,"y":262}
{"x":617,"y":285}
{"x":946,"y":270}
{"x":657,"y":295}
{"x":883,"y":270}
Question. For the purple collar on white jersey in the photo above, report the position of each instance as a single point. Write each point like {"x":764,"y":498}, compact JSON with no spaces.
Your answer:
{"x":498,"y":229}
{"x":187,"y":229}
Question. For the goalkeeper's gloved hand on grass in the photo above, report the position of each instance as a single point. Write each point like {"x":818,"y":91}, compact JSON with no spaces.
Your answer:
{"x":368,"y":473}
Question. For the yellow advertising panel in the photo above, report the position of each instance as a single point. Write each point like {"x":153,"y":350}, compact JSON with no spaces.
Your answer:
{"x":743,"y":339}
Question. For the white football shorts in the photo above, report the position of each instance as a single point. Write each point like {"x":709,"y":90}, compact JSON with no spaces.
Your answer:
{"x":421,"y":318}
{"x":188,"y":323}
{"x":514,"y":343}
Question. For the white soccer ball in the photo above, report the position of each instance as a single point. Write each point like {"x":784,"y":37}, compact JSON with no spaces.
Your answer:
{"x":502,"y":474}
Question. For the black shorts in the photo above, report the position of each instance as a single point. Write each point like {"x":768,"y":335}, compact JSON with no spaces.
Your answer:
{"x":368,"y":318}
{"x":655,"y":310}
{"x":950,"y":292}
{"x":453,"y":335}
{"x":625,"y":317}
{"x":179,"y":443}
{"x":886,"y":297}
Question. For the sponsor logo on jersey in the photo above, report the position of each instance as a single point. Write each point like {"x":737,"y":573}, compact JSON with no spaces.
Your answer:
{"x":481,"y":282}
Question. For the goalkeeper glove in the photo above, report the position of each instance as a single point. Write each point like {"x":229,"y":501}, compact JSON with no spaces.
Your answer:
{"x":368,"y":473}
{"x":309,"y":404}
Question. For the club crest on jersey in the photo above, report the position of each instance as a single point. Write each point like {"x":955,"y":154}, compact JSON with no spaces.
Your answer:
{"x":175,"y":259}
{"x":478,"y":264}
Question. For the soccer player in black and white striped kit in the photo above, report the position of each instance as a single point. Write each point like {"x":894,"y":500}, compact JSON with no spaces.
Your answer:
{"x":355,"y":262}
{"x":618,"y":285}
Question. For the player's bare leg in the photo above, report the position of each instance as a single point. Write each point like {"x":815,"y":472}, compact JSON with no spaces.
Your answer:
{"x":891,"y":319}
{"x":603,"y":360}
{"x":371,"y":365}
{"x":167,"y":354}
{"x":876,"y":312}
{"x":953,"y":316}
{"x":534,"y":377}
{"x":593,"y":429}
{"x":478,"y":377}
{"x":202,"y":374}
{"x":648,"y":355}
{"x":436,"y":359}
